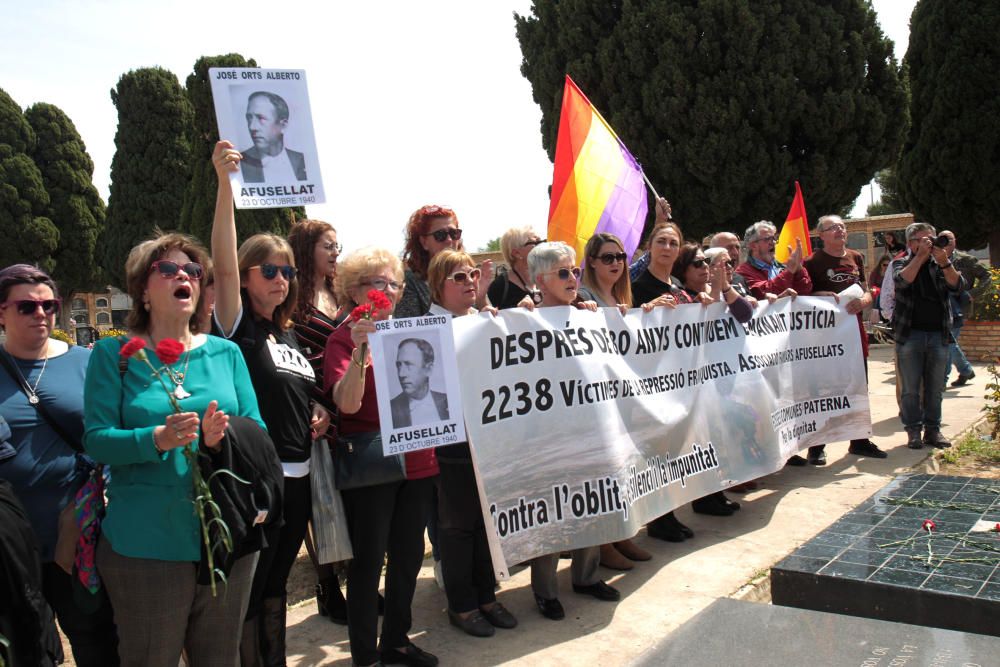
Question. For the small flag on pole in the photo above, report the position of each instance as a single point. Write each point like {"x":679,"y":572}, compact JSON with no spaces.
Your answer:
{"x":597,"y":186}
{"x":796,"y":228}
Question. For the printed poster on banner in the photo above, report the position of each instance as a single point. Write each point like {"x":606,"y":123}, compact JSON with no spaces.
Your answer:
{"x":586,"y":426}
{"x":417,"y":384}
{"x":265,"y":113}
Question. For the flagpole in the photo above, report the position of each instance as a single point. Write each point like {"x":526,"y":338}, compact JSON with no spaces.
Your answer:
{"x":650,"y":185}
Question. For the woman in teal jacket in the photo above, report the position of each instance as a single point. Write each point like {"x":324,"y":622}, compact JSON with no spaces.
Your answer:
{"x":150,"y":548}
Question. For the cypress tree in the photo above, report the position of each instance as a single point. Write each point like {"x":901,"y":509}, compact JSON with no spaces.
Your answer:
{"x":75,"y":206}
{"x":949,"y":166}
{"x":726,"y":103}
{"x":151,"y":167}
{"x":28,"y":234}
{"x":199,"y":200}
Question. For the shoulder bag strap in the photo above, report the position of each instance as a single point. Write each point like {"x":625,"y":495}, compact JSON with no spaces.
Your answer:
{"x":8,"y":365}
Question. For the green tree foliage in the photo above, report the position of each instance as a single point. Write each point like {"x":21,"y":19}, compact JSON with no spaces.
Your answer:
{"x":75,"y":206}
{"x":726,"y":103}
{"x":493,"y":245}
{"x":199,"y":200}
{"x":890,"y":201}
{"x":151,"y":167}
{"x":28,"y":234}
{"x":949,"y":167}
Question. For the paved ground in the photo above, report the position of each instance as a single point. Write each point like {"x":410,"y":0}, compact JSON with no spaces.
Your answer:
{"x":793,"y":505}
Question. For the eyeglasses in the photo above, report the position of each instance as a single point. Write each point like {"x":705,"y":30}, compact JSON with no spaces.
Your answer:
{"x":442,"y":235}
{"x":766,"y":239}
{"x":339,"y":247}
{"x":270,"y":271}
{"x":381,"y":284}
{"x":564,"y":273}
{"x":460,"y":277}
{"x":610,"y":258}
{"x":30,"y":306}
{"x":169,"y":269}
{"x":535,"y":242}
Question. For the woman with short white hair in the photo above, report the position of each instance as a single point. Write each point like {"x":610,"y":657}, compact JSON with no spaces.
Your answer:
{"x":552,"y":267}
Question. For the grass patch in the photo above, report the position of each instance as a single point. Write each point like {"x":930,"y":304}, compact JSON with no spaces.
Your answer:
{"x":972,"y":448}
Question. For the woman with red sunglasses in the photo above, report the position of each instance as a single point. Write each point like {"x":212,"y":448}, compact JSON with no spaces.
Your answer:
{"x":256,"y":292}
{"x":44,"y":468}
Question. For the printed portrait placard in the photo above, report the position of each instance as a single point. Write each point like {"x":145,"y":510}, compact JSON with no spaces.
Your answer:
{"x":265,"y":113}
{"x":416,"y":381}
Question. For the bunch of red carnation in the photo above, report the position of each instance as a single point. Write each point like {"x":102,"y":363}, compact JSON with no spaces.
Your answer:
{"x":377,"y":300}
{"x":929,"y":525}
{"x":168,"y":350}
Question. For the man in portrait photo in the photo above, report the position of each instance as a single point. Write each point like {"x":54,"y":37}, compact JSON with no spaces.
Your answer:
{"x":416,"y":404}
{"x":268,"y":159}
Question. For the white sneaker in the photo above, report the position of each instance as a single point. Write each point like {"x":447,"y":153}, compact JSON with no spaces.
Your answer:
{"x":438,"y":575}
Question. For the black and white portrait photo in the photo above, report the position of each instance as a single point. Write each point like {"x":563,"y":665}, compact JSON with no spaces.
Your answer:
{"x":417,"y":403}
{"x":269,"y":159}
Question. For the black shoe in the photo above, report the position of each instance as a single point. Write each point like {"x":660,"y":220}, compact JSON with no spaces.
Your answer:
{"x":412,"y":655}
{"x":685,"y":531}
{"x":731,"y":504}
{"x":668,"y":529}
{"x":552,"y":609}
{"x":499,"y":616}
{"x":934,"y":438}
{"x":600,"y":590}
{"x":474,"y":624}
{"x":817,"y":456}
{"x":867,"y":448}
{"x":913,"y":440}
{"x":963,"y":379}
{"x":711,"y":506}
{"x":330,"y":601}
{"x":796,"y":461}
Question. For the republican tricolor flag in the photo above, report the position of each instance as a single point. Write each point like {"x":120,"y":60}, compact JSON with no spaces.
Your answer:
{"x":597,"y":186}
{"x":796,"y":228}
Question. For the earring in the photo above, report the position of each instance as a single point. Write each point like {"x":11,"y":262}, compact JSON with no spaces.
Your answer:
{"x":145,"y":304}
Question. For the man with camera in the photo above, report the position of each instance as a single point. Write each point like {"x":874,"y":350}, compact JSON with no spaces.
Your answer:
{"x":922,"y":328}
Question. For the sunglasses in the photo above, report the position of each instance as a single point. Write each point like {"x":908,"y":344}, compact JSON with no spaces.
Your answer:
{"x":610,"y":258}
{"x":461,"y":277}
{"x":564,"y":273}
{"x":442,"y":235}
{"x":381,"y":284}
{"x":536,"y":242}
{"x":699,"y":263}
{"x":169,"y":269}
{"x":270,"y":271}
{"x":30,"y":306}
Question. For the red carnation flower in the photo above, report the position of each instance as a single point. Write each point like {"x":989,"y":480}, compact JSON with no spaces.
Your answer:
{"x":996,"y":528}
{"x":169,"y":350}
{"x":379,"y":299}
{"x":929,"y":525}
{"x":362,"y":312}
{"x":131,"y":347}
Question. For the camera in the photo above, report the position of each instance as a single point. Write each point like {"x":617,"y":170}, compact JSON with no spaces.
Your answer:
{"x":941,"y":241}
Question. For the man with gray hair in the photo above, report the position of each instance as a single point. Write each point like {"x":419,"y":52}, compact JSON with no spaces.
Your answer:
{"x":922,"y":328}
{"x":763,"y":273}
{"x":834,"y":268}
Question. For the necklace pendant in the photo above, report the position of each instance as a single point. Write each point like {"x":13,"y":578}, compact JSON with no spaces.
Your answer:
{"x":180,"y":392}
{"x":33,"y":399}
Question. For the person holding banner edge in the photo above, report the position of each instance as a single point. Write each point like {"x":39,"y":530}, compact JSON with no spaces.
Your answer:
{"x":465,"y":552}
{"x":383,"y":519}
{"x":606,"y":281}
{"x":552,"y":267}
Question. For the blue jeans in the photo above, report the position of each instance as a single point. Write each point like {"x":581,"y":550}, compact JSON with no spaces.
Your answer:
{"x":956,"y":356}
{"x":923,"y":358}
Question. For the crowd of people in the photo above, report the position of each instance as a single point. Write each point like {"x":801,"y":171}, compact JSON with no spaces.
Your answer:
{"x":270,"y":358}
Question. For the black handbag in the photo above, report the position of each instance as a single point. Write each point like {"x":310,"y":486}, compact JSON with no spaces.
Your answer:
{"x":358,"y":462}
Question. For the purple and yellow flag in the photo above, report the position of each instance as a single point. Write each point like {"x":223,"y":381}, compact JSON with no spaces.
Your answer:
{"x":597,"y":186}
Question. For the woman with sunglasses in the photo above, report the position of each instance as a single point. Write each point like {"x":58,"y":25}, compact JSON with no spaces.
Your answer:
{"x":465,"y":552}
{"x":875,"y":280}
{"x":694,"y":270}
{"x":151,"y":545}
{"x":384,"y":519}
{"x":44,"y":468}
{"x":511,"y":286}
{"x":606,"y":281}
{"x":552,"y":267}
{"x":255,"y":295}
{"x":430,"y":230}
{"x":315,"y":247}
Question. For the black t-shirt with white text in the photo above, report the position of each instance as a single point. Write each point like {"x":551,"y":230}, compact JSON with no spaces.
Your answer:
{"x":282,"y":378}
